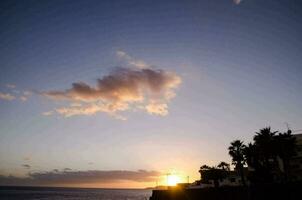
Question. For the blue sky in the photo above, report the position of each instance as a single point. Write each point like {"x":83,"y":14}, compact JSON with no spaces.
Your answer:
{"x":239,"y":65}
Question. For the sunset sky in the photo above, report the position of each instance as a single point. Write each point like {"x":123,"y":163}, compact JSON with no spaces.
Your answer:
{"x":120,"y":93}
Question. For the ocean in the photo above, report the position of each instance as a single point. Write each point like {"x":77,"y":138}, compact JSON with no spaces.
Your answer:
{"x":46,"y":193}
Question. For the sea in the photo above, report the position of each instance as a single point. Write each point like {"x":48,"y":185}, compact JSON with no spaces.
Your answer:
{"x":47,"y":193}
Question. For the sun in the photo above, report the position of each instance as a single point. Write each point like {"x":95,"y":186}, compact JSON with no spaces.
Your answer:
{"x":172,"y":180}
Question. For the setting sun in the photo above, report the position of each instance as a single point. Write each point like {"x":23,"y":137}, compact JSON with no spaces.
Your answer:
{"x":172,"y":180}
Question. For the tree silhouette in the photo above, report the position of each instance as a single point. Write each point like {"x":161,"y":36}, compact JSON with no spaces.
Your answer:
{"x":267,"y":152}
{"x":204,"y":167}
{"x":214,"y":173}
{"x":265,"y":142}
{"x":268,"y":156}
{"x":265,"y":155}
{"x":286,"y":144}
{"x":236,"y":151}
{"x":224,"y":166}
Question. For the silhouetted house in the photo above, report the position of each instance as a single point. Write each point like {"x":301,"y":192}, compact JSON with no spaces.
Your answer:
{"x":296,"y":161}
{"x":183,"y":185}
{"x":198,"y":184}
{"x":233,"y":178}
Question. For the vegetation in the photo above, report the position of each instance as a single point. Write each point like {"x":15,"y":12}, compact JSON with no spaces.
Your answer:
{"x":269,"y":155}
{"x":215,"y":173}
{"x":267,"y":158}
{"x":236,"y":151}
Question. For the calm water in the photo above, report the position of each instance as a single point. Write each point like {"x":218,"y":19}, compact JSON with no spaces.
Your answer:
{"x":34,"y":193}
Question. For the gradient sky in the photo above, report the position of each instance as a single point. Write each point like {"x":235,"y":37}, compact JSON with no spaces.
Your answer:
{"x":239,"y":63}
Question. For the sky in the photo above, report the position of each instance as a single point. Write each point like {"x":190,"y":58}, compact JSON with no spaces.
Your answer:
{"x":120,"y":93}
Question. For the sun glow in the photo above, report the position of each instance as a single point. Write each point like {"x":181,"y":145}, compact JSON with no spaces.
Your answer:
{"x":172,"y":180}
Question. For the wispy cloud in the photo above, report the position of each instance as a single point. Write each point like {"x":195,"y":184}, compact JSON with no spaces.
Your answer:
{"x":15,"y":94}
{"x":48,"y":113}
{"x":237,"y":2}
{"x":7,"y":96}
{"x":23,"y":98}
{"x":80,"y":177}
{"x":123,"y":89}
{"x":11,"y":86}
{"x":27,"y":158}
{"x":25,"y":95}
{"x":132,"y":61}
{"x":26,"y":166}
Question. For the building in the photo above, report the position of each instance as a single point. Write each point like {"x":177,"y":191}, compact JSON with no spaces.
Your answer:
{"x":296,"y":161}
{"x":232,"y":178}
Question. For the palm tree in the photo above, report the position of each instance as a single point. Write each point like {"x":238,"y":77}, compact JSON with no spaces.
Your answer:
{"x":266,"y":146}
{"x":236,"y":151}
{"x":264,"y":155}
{"x":249,"y":154}
{"x":265,"y":140}
{"x":252,"y":158}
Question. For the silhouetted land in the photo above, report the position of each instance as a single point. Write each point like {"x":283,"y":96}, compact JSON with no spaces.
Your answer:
{"x":289,"y":191}
{"x":267,"y":167}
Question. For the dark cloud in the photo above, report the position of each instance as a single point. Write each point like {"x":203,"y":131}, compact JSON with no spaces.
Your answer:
{"x":12,"y":180}
{"x":80,"y":177}
{"x":122,"y":89}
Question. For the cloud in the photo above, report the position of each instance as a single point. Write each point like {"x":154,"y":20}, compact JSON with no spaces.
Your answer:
{"x":123,"y":89}
{"x":132,"y":61}
{"x":11,"y":86}
{"x":237,"y":2}
{"x":26,"y":166}
{"x":27,"y":158}
{"x":22,"y":95}
{"x":48,"y":113}
{"x":23,"y":98}
{"x":157,"y":108}
{"x":26,"y":95}
{"x":6,"y":96}
{"x":80,"y":177}
{"x":93,"y":108}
